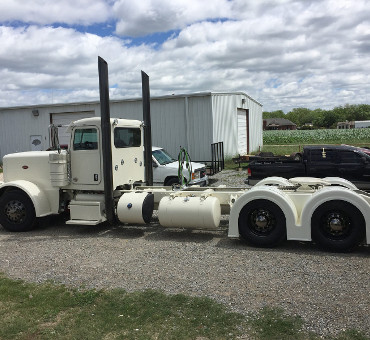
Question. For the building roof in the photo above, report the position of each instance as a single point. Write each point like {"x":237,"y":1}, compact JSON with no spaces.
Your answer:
{"x":278,"y":122}
{"x":195,"y":94}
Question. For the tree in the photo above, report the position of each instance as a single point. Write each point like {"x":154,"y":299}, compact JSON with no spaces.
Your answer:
{"x":323,"y":118}
{"x":273,"y":114}
{"x":300,"y":116}
{"x":318,"y":118}
{"x":330,"y":120}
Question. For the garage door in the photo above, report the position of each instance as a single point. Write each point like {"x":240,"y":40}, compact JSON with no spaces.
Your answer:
{"x":242,"y":132}
{"x":64,"y":119}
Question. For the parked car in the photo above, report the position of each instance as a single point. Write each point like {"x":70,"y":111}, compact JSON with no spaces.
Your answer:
{"x":165,"y":170}
{"x":349,"y":162}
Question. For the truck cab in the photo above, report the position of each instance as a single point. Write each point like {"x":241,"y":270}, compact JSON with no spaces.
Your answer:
{"x":42,"y":183}
{"x":86,"y":159}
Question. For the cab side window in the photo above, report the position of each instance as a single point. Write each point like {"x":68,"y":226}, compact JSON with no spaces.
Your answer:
{"x":85,"y":139}
{"x":350,"y":157}
{"x":127,"y":137}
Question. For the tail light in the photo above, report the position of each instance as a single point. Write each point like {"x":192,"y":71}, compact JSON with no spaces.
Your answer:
{"x":249,"y":172}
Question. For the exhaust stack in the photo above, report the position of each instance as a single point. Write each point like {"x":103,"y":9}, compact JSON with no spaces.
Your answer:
{"x":106,"y":140}
{"x":147,"y":129}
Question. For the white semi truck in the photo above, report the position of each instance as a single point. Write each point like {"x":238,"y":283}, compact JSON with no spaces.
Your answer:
{"x":106,"y":175}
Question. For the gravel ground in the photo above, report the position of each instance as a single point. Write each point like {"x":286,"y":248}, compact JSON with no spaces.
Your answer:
{"x":330,"y":291}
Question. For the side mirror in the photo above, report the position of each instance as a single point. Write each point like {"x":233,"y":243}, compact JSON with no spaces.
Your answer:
{"x":155,"y":165}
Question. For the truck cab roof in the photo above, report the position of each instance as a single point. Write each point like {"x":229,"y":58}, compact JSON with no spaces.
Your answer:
{"x":338,"y":147}
{"x":97,"y":122}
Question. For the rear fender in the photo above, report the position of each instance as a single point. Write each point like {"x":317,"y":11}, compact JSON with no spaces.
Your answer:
{"x":340,"y":181}
{"x":274,"y":180}
{"x":270,"y":193}
{"x":42,"y":201}
{"x":336,"y":193}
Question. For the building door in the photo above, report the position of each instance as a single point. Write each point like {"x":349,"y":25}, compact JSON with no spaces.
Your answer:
{"x":64,"y":119}
{"x":243,"y":131}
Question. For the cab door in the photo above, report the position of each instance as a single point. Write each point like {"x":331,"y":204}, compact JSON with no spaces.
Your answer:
{"x":323,"y":162}
{"x":85,"y":156}
{"x":352,"y":166}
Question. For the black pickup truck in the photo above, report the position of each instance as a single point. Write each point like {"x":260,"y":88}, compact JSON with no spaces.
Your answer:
{"x":349,"y":162}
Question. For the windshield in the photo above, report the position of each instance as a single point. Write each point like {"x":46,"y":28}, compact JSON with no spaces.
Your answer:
{"x":162,"y":157}
{"x":365,"y":151}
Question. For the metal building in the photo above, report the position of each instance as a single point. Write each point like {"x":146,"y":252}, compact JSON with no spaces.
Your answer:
{"x":193,"y":121}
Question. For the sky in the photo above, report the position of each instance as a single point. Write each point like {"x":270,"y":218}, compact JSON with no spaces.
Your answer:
{"x":283,"y":53}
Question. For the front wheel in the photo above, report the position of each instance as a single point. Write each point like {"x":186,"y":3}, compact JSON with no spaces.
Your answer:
{"x":337,"y":226}
{"x":262,"y":223}
{"x":17,"y":212}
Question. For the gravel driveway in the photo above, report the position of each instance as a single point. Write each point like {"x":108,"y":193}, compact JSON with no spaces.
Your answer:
{"x":330,"y":291}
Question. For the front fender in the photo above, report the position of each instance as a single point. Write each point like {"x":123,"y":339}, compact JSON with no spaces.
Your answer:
{"x":270,"y":193}
{"x":336,"y":193}
{"x":42,"y":201}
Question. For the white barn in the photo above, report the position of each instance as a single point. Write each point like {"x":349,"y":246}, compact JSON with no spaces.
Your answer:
{"x":193,"y":121}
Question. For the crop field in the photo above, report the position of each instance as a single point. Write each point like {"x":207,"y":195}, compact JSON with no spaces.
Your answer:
{"x":289,"y":141}
{"x":332,"y":136}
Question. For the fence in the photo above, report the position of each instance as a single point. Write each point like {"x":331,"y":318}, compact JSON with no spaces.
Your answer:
{"x":217,"y":163}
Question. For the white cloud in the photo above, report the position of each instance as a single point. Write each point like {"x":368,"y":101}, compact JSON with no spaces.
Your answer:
{"x":285,"y":54}
{"x":45,"y":12}
{"x":138,"y":18}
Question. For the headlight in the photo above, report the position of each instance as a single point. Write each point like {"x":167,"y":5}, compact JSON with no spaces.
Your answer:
{"x":195,"y":175}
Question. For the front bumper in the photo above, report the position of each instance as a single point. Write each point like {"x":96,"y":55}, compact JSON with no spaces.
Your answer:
{"x":203,"y":182}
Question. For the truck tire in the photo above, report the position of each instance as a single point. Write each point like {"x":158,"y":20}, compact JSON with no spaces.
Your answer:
{"x":17,"y":212}
{"x":337,"y":226}
{"x":296,"y":156}
{"x":172,"y":181}
{"x":262,"y":223}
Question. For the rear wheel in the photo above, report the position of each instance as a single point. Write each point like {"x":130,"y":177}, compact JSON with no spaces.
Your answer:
{"x":337,"y":226}
{"x":262,"y":223}
{"x":17,"y":212}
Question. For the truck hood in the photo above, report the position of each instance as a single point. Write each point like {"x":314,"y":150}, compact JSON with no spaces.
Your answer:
{"x":195,"y":166}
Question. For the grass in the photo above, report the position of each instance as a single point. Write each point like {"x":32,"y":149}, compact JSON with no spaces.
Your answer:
{"x":30,"y":311}
{"x":44,"y":311}
{"x":230,"y":165}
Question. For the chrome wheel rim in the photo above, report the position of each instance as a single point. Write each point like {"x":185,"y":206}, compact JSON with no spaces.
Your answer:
{"x":336,"y":224}
{"x":15,"y":211}
{"x":262,"y":221}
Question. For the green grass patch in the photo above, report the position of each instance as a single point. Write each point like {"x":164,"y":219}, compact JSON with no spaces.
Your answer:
{"x":272,"y":323}
{"x":30,"y":311}
{"x":282,"y":149}
{"x":230,"y":165}
{"x":45,"y":311}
